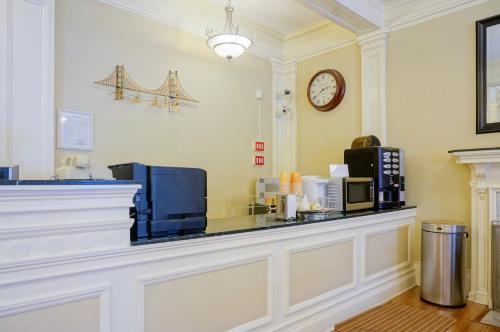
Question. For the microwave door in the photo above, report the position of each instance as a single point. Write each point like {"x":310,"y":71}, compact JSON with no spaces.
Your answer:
{"x":358,"y":195}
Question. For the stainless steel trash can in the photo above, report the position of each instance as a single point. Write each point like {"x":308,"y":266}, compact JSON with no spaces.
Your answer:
{"x":444,"y":257}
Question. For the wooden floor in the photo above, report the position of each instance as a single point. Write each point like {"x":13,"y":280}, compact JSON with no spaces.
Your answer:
{"x":468,"y":317}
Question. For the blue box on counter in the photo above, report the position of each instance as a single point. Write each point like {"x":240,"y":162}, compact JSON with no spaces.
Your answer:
{"x":9,"y":173}
{"x":172,"y":200}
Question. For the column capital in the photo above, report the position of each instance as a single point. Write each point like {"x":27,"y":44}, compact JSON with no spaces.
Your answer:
{"x":373,"y":40}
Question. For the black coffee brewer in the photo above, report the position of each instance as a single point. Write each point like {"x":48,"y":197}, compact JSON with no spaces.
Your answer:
{"x":384,"y":164}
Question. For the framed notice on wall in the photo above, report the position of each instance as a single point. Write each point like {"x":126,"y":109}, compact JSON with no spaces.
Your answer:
{"x":75,"y":130}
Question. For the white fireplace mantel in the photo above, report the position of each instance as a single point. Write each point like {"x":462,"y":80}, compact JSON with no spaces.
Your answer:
{"x":485,"y":188}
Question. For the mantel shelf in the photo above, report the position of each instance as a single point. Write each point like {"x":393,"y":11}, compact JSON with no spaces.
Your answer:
{"x":477,"y":156}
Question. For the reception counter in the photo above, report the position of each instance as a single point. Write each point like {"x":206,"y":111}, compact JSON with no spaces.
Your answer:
{"x":66,"y":264}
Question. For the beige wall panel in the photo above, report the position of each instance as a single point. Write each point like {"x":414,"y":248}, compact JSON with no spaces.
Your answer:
{"x":216,"y":134}
{"x":431,"y":109}
{"x":386,"y":250}
{"x":80,"y":316}
{"x":317,"y":271}
{"x":323,"y":136}
{"x":214,"y":301}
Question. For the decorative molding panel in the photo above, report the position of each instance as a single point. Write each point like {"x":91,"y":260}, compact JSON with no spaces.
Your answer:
{"x":158,"y":278}
{"x":336,"y":240}
{"x":103,"y":292}
{"x":44,"y":279}
{"x":69,"y":220}
{"x":368,"y":278}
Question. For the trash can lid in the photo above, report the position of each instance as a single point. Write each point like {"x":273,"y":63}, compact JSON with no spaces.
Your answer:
{"x":445,"y":227}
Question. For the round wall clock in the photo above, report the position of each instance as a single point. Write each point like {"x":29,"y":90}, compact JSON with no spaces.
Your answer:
{"x":326,"y":90}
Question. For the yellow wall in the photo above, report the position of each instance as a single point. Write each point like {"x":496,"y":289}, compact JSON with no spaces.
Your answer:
{"x":323,"y":136}
{"x":431,"y":109}
{"x":216,"y":134}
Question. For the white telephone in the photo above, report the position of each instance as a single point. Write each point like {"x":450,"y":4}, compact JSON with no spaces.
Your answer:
{"x":80,"y":167}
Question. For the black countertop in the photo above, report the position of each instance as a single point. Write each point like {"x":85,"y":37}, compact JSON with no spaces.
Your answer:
{"x":234,"y":225}
{"x":64,"y":182}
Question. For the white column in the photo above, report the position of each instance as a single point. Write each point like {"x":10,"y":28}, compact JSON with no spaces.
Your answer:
{"x":27,"y":86}
{"x":374,"y":84}
{"x":284,"y":122}
{"x":480,"y":236}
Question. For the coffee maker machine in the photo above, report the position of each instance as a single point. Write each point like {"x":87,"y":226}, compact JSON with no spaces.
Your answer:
{"x":386,"y":166}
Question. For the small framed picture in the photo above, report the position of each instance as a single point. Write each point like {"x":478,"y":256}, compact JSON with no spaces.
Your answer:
{"x":75,"y":130}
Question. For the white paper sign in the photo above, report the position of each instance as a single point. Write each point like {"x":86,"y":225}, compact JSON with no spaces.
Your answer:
{"x":75,"y":130}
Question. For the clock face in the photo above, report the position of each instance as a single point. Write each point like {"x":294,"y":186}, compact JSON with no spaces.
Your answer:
{"x":323,"y":89}
{"x":326,"y":90}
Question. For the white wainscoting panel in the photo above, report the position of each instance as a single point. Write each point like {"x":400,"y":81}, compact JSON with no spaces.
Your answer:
{"x":179,"y":294}
{"x":128,"y":278}
{"x":42,"y":313}
{"x":380,"y":256}
{"x":320,"y":271}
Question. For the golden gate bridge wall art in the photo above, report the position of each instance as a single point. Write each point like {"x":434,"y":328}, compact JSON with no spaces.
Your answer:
{"x":168,"y":95}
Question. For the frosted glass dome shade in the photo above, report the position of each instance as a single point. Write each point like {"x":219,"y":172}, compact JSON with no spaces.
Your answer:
{"x":229,"y":46}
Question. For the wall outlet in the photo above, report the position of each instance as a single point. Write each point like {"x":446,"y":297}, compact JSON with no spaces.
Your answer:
{"x":258,"y":161}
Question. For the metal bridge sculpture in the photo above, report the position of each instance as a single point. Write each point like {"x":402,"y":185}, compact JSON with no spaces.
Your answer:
{"x":171,"y":90}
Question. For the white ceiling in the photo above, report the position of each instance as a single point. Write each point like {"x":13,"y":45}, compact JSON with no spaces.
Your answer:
{"x":283,"y":16}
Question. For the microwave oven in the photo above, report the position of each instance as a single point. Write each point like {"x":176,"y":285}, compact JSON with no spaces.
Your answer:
{"x":349,"y":194}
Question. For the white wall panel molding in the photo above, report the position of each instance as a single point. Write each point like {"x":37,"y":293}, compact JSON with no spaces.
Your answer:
{"x":94,"y":260}
{"x":121,"y":273}
{"x":157,"y":278}
{"x":369,"y":278}
{"x":27,"y":86}
{"x":335,"y":239}
{"x":56,"y":298}
{"x":374,"y":84}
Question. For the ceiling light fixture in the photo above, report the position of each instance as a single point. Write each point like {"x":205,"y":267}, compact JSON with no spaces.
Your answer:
{"x":228,"y":43}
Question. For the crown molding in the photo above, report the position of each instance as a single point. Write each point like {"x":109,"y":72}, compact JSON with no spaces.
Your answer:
{"x":361,"y":17}
{"x":371,"y":10}
{"x":315,"y":48}
{"x":353,"y":15}
{"x":307,"y":29}
{"x":405,"y":13}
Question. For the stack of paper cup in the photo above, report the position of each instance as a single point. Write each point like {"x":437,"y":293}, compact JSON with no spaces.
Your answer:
{"x":284,"y":183}
{"x":296,"y":181}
